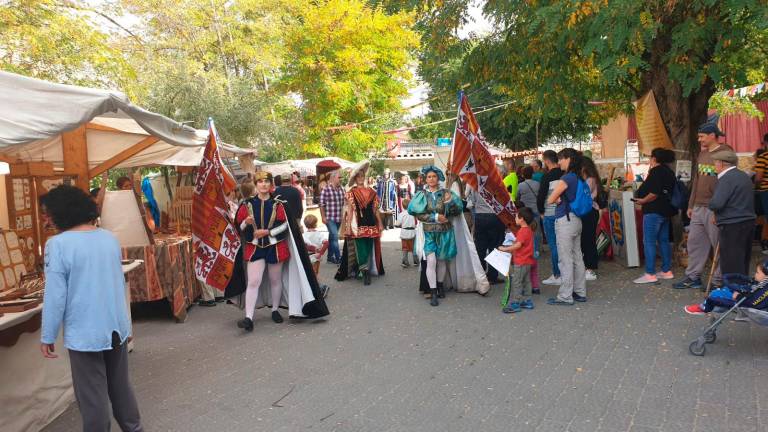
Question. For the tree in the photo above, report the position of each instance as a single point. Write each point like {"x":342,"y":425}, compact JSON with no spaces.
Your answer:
{"x":554,"y":57}
{"x":350,"y":65}
{"x":219,"y":59}
{"x":61,"y":42}
{"x":563,"y":54}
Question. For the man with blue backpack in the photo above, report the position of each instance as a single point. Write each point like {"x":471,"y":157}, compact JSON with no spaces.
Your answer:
{"x":574,"y":200}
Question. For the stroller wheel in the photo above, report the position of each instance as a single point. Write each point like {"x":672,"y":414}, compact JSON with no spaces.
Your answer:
{"x":697,"y":347}
{"x":710,"y":337}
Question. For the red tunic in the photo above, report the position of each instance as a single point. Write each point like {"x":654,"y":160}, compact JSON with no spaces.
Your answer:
{"x":273,"y":215}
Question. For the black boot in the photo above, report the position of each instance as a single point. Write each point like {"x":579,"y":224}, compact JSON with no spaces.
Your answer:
{"x":276,"y":317}
{"x":246,"y":324}
{"x":415,"y":260}
{"x":366,"y":277}
{"x":434,"y":302}
{"x":440,"y":290}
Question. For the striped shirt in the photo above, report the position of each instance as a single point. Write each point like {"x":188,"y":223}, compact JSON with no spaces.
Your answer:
{"x":761,"y":166}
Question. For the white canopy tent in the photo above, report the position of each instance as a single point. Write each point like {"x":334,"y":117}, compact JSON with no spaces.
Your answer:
{"x":305,"y":167}
{"x":84,"y":132}
{"x":35,"y":110}
{"x":107,"y":137}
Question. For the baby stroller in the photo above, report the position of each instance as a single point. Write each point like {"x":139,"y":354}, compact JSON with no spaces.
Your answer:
{"x":738,"y":283}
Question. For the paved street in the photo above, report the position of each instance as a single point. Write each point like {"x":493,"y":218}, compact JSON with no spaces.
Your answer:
{"x":387,"y":361}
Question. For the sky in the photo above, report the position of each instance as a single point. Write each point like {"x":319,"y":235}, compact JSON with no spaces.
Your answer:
{"x":477,"y":25}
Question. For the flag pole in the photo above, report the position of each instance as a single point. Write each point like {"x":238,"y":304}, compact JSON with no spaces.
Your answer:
{"x":453,"y":139}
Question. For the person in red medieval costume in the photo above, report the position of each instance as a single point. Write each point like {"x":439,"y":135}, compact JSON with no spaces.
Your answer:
{"x":361,"y":227}
{"x":279,"y":272}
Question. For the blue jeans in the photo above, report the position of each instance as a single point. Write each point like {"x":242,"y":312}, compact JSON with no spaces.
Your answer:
{"x":656,"y":229}
{"x":537,"y":240}
{"x":334,"y":253}
{"x":549,"y":230}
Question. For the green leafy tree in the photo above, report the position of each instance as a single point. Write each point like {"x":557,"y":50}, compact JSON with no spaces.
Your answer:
{"x":556,"y":56}
{"x":350,"y":64}
{"x":59,"y":41}
{"x":219,"y":59}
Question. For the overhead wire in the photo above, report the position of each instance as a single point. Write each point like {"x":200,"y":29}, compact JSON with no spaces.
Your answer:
{"x":408,"y":128}
{"x":408,"y":108}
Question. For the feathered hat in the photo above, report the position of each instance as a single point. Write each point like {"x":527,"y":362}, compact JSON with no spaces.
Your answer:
{"x":360,"y":168}
{"x":431,"y":168}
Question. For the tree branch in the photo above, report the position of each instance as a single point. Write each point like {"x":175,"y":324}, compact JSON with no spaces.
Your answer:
{"x":108,"y":18}
{"x":71,"y":5}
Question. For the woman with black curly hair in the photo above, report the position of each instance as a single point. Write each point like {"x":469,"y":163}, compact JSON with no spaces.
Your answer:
{"x":85,"y":295}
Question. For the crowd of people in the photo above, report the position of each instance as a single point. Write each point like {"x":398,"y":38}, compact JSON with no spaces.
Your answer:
{"x":558,"y":202}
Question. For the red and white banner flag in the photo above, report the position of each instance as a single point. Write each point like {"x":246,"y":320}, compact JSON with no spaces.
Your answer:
{"x":214,"y":238}
{"x":472,"y":161}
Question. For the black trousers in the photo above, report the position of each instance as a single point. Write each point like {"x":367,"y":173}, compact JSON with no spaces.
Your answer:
{"x":99,"y":378}
{"x":736,"y":247}
{"x":589,"y":239}
{"x":489,"y":234}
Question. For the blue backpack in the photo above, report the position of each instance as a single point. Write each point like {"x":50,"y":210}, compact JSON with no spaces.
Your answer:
{"x":582,"y":204}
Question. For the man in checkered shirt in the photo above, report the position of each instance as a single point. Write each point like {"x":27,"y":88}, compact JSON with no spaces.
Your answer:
{"x":331,"y":204}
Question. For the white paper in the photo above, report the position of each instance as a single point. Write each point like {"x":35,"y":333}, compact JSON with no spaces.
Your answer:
{"x":500,"y":261}
{"x":509,"y":239}
{"x":683,"y":170}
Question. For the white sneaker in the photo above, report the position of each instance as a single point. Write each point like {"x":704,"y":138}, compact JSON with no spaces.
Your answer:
{"x":552,"y":280}
{"x":590,"y":275}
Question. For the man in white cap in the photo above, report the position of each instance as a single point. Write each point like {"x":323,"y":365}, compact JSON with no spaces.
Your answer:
{"x":734,"y":209}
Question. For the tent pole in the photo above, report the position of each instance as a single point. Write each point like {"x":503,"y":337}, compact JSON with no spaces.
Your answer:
{"x":74,"y":147}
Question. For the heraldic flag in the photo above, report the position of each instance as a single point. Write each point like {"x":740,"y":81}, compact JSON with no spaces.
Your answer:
{"x":214,"y":238}
{"x":472,"y":161}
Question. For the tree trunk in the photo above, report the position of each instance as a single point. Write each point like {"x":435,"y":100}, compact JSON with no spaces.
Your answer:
{"x":681,"y":114}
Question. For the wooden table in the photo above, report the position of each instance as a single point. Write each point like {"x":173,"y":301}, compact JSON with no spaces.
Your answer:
{"x":167,"y":272}
{"x":35,"y":390}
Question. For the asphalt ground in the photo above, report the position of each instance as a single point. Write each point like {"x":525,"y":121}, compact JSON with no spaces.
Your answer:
{"x":384,"y":360}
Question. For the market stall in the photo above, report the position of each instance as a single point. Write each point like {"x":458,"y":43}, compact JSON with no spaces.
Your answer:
{"x":35,"y":389}
{"x":52,"y":134}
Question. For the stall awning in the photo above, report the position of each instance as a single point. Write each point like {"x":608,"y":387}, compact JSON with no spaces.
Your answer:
{"x":35,"y":115}
{"x":35,"y":110}
{"x":107,"y":137}
{"x":305,"y":167}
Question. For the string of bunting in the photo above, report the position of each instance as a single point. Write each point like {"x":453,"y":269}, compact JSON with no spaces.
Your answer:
{"x":747,"y":91}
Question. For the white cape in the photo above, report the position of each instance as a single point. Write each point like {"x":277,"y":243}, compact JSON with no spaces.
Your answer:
{"x":465,"y":272}
{"x":296,"y":288}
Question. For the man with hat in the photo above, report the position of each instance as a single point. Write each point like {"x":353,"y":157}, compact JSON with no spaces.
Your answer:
{"x":734,"y":209}
{"x":703,"y":235}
